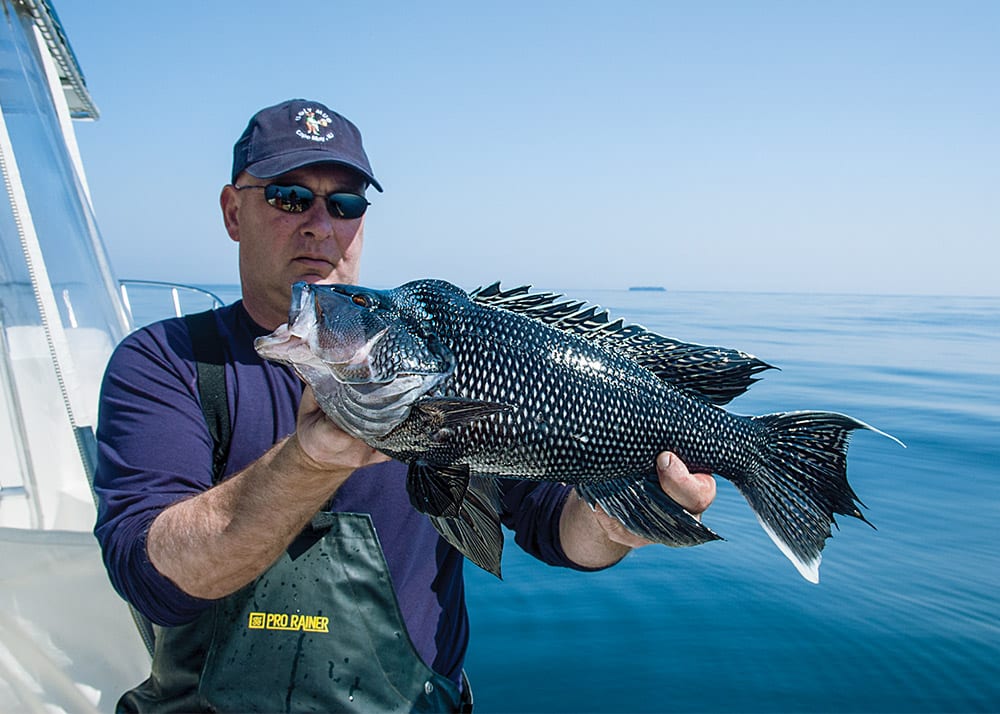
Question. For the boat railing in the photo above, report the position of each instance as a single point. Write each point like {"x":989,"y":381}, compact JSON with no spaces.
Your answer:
{"x":149,"y":300}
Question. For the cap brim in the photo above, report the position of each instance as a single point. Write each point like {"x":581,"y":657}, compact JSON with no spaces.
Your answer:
{"x":269,"y":168}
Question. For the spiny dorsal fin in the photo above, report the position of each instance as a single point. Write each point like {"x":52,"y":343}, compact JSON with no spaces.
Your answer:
{"x":717,"y":374}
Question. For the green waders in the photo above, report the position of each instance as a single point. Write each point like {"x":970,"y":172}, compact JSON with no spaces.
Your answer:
{"x":320,"y":631}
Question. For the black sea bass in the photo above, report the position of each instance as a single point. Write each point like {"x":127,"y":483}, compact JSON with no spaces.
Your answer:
{"x":469,"y":388}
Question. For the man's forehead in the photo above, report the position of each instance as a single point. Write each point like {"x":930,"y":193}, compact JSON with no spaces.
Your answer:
{"x":334,"y":173}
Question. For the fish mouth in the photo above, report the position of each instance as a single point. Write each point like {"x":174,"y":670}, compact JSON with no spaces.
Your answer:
{"x":292,"y":345}
{"x":301,"y":305}
{"x":283,"y":345}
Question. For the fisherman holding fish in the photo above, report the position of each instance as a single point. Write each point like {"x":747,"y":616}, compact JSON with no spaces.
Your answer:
{"x":280,"y":558}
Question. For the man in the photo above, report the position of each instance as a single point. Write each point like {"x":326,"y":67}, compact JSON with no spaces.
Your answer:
{"x":302,"y":578}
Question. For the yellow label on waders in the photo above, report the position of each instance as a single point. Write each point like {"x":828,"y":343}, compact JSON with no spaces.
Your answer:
{"x":285,"y":621}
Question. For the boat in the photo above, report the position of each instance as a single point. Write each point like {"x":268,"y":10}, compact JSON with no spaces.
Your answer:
{"x":647,"y":288}
{"x":68,"y":642}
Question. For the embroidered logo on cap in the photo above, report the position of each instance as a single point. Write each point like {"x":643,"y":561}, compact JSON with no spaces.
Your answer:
{"x":314,"y":122}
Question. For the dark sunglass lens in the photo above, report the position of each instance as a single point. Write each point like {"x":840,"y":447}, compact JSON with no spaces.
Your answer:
{"x":291,"y":199}
{"x":347,"y":205}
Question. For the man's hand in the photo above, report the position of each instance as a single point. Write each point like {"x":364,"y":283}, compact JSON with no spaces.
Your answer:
{"x":592,"y":538}
{"x":328,"y":446}
{"x":694,"y":491}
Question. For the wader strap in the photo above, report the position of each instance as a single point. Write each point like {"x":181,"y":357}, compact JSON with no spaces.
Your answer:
{"x":210,"y":357}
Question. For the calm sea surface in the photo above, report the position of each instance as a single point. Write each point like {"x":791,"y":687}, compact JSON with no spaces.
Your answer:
{"x":906,"y":618}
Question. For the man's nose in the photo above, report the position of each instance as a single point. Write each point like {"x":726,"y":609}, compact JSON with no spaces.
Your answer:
{"x":319,"y":224}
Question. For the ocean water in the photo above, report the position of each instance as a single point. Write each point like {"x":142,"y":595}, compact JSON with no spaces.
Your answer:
{"x":905,"y":618}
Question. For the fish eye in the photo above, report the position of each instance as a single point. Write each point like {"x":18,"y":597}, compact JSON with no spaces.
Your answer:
{"x":360,"y":300}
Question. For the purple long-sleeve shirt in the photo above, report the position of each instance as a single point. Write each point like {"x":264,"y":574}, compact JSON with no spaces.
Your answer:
{"x":155,"y":449}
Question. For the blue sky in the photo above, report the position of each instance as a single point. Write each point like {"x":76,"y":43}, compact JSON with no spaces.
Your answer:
{"x":846,"y":147}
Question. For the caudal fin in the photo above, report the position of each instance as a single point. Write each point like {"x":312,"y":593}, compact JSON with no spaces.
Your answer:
{"x":801,"y":482}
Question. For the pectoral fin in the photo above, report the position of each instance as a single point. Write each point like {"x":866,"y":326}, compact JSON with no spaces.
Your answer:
{"x":437,"y":490}
{"x":448,"y":412}
{"x":476,"y":531}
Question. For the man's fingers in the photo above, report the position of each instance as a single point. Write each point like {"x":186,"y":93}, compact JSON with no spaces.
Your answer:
{"x":694,"y":491}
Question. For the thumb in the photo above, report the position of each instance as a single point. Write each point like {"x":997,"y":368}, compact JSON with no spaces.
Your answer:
{"x":694,"y":491}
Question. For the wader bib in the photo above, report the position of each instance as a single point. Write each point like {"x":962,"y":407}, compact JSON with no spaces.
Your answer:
{"x":320,"y":631}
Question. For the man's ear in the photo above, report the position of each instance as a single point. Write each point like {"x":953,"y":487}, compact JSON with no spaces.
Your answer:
{"x":229,"y":200}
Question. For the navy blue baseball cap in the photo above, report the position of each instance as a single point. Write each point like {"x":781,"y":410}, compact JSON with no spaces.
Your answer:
{"x":298,"y":133}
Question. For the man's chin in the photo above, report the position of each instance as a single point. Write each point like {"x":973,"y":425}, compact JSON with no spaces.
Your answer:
{"x":333,"y":278}
{"x":318,"y":277}
{"x":328,"y":275}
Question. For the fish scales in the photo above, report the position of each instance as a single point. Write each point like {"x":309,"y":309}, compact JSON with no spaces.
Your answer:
{"x":567,"y":413}
{"x":467,"y":389}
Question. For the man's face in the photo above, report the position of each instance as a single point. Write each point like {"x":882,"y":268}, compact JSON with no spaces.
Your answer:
{"x":278,"y":248}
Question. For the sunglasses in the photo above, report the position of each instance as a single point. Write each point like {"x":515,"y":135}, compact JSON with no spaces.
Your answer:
{"x":298,"y":199}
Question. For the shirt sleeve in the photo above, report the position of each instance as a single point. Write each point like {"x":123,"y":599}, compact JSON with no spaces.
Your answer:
{"x":154,"y":449}
{"x":532,"y":510}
